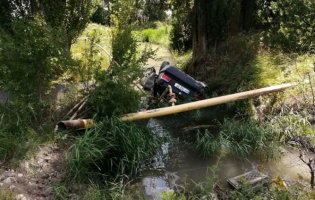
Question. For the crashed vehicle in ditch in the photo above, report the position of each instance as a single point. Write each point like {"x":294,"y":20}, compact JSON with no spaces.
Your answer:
{"x":183,"y":85}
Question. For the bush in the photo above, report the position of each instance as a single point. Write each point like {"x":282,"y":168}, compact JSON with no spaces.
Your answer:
{"x":290,"y":24}
{"x":31,"y":57}
{"x":112,"y":148}
{"x":113,"y":98}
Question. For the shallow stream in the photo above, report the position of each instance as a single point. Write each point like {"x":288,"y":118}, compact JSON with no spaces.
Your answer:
{"x":176,"y":162}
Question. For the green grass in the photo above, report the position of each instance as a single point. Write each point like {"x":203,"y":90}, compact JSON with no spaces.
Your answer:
{"x":105,"y":35}
{"x":157,"y":35}
{"x":207,"y":144}
{"x":22,"y":132}
{"x":239,"y":138}
{"x":112,"y":148}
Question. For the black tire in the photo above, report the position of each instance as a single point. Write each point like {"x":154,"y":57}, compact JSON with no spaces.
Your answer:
{"x":164,"y":64}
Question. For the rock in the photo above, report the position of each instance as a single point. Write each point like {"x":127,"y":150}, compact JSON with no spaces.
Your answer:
{"x":12,"y":187}
{"x":9,"y":174}
{"x":20,"y":175}
{"x":9,"y":180}
{"x":1,"y":184}
{"x":20,"y":197}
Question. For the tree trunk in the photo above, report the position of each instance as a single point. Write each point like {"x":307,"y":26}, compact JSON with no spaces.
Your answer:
{"x":312,"y":179}
{"x":200,"y":40}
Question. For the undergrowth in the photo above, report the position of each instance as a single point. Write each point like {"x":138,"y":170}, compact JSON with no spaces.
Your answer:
{"x":109,"y":150}
{"x":22,"y":130}
{"x":239,"y":138}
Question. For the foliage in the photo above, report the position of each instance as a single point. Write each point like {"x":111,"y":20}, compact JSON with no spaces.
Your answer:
{"x":241,"y":139}
{"x":6,"y":195}
{"x":31,"y":57}
{"x":154,"y":10}
{"x":181,"y":34}
{"x":128,"y":60}
{"x":60,"y":192}
{"x":245,"y":138}
{"x":290,"y":24}
{"x":101,"y":16}
{"x":6,"y":6}
{"x":19,"y":130}
{"x":94,"y":33}
{"x":71,"y":16}
{"x":112,"y":148}
{"x":248,"y":192}
{"x":113,"y":98}
{"x":207,"y":144}
{"x":157,"y":35}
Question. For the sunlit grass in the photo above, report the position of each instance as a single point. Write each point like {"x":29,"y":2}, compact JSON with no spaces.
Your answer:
{"x":78,"y":49}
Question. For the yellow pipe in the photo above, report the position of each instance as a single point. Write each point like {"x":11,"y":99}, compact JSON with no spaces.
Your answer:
{"x":204,"y":103}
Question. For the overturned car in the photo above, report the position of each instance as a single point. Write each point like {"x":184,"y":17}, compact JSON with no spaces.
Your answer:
{"x":183,"y":85}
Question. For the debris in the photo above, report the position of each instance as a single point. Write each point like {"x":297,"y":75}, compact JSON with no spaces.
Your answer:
{"x":253,"y":177}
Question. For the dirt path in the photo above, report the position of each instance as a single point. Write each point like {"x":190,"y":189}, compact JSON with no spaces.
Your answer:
{"x":36,"y":177}
{"x":162,"y":54}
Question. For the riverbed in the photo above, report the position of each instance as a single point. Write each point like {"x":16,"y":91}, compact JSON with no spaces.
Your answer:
{"x":176,"y":163}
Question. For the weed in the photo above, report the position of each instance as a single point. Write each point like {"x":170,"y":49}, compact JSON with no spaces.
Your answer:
{"x":60,"y":192}
{"x":245,"y":138}
{"x":20,"y":131}
{"x":112,"y":148}
{"x":207,"y":144}
{"x":6,"y":195}
{"x":240,"y":138}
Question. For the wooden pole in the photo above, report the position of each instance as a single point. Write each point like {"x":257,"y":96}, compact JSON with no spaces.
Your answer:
{"x":205,"y":103}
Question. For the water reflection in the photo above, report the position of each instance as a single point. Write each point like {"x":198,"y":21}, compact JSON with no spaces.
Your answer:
{"x":171,"y":164}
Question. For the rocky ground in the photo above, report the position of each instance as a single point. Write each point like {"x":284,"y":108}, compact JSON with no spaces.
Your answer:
{"x":36,"y":177}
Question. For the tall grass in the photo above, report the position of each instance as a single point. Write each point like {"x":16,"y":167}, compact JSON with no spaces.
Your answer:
{"x":21,"y":131}
{"x":239,"y":138}
{"x":207,"y":144}
{"x":112,"y":148}
{"x":160,"y":34}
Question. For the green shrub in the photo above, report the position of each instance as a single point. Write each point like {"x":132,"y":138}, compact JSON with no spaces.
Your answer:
{"x":111,"y":98}
{"x":31,"y":57}
{"x":290,"y":24}
{"x":112,"y":148}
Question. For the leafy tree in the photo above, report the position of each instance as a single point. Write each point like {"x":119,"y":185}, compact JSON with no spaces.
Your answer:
{"x":290,"y":24}
{"x":71,"y":15}
{"x":155,"y":9}
{"x":181,"y":34}
{"x":31,"y":57}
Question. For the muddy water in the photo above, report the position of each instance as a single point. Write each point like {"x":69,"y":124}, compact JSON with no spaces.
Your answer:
{"x":176,"y":162}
